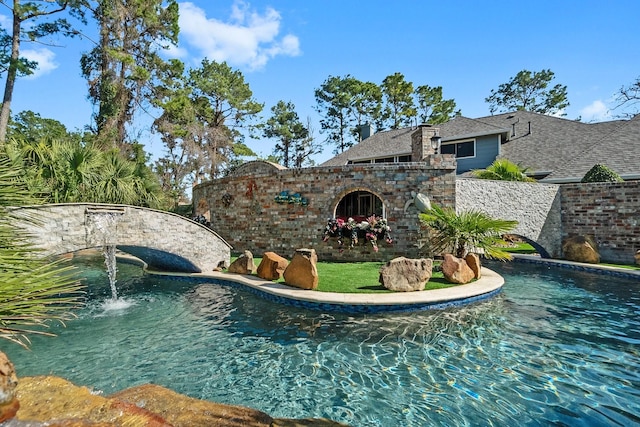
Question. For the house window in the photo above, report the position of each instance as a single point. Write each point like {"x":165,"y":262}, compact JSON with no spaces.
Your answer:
{"x":460,"y":149}
{"x":359,"y":205}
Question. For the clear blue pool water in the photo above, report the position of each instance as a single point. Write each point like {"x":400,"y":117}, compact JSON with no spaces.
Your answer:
{"x":555,"y":347}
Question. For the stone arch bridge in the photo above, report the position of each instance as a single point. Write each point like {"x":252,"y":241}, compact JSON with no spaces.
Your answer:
{"x":163,"y":240}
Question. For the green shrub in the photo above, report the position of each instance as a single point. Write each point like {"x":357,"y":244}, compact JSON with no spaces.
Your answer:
{"x":601,"y":173}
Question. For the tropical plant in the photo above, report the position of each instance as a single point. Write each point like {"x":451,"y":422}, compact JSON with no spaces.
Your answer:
{"x":469,"y":231}
{"x":33,"y":291}
{"x":503,"y":170}
{"x":601,"y":173}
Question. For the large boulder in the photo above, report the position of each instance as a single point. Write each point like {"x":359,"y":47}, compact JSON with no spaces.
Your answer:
{"x":473,"y":261}
{"x":272,"y":266}
{"x":638,"y":257}
{"x":51,"y":398}
{"x":581,"y":249}
{"x":244,"y":264}
{"x":182,"y":411}
{"x":302,"y":271}
{"x":456,"y":270}
{"x":8,"y":382}
{"x":406,"y":274}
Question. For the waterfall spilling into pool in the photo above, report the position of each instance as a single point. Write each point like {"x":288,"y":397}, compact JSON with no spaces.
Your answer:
{"x":555,"y":347}
{"x":102,"y":230}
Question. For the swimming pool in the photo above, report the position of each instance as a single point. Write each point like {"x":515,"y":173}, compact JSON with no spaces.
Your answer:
{"x":555,"y":346}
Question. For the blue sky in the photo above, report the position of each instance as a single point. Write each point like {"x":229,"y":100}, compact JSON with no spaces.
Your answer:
{"x":287,"y":48}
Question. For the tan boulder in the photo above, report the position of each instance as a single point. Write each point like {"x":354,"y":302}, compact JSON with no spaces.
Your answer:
{"x":8,"y":383}
{"x":638,"y":257}
{"x":272,"y":266}
{"x":473,"y":261}
{"x":244,"y":264}
{"x":581,"y":249}
{"x":302,"y":271}
{"x":406,"y":274}
{"x":51,"y":398}
{"x":182,"y":411}
{"x":456,"y":270}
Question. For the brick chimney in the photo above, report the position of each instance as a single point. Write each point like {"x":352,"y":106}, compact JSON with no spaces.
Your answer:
{"x":421,"y":142}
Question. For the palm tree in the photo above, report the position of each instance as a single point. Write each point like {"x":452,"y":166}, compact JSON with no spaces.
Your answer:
{"x":470,"y":231}
{"x":33,"y":291}
{"x":503,"y":170}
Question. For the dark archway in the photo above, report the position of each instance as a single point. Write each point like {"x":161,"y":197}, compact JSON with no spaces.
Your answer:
{"x":541,"y":250}
{"x":359,"y":205}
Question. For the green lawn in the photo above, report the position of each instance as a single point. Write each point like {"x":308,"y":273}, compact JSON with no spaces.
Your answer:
{"x":359,"y":277}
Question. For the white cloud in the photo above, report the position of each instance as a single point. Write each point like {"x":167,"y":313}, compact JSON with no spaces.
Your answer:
{"x":174,"y":51}
{"x":44,"y":58}
{"x":597,"y":111}
{"x":248,"y":39}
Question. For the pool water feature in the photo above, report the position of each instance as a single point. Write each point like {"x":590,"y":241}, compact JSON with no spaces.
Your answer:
{"x":554,"y":347}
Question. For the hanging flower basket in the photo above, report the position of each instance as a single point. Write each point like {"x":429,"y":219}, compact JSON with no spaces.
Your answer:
{"x":370,"y":231}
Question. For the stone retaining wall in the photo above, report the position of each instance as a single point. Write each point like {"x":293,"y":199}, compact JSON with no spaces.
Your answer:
{"x":610,"y":212}
{"x":534,"y":205}
{"x":243,"y":208}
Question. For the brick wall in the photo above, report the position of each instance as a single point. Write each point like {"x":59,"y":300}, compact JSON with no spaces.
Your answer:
{"x":610,"y":212}
{"x":244,"y":211}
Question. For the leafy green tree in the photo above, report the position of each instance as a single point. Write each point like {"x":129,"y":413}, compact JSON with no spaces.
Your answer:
{"x":30,"y":126}
{"x":601,"y":173}
{"x":285,"y":126}
{"x":366,"y":106}
{"x":399,"y":109}
{"x":503,"y":170}
{"x":224,"y":105}
{"x":529,"y":91}
{"x":34,"y":291}
{"x":432,"y":108}
{"x":30,"y":21}
{"x":469,"y":231}
{"x":334,"y":100}
{"x":125,"y":64}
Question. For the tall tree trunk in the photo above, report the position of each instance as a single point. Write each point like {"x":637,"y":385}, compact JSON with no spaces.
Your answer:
{"x":12,"y":72}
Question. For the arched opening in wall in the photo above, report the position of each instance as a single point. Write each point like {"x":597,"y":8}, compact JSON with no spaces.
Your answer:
{"x":202,"y":210}
{"x":359,"y":205}
{"x":518,"y":239}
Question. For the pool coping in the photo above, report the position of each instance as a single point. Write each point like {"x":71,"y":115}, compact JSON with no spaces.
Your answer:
{"x":572,"y":265}
{"x":489,"y":285}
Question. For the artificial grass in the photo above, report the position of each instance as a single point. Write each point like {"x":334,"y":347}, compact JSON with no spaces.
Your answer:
{"x":360,"y":278}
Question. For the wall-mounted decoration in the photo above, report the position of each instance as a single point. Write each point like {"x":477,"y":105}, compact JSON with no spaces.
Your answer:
{"x":227,"y":199}
{"x":296,"y":198}
{"x":251,"y":188}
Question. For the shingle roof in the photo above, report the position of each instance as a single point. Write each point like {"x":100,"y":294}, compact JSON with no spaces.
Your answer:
{"x":564,"y":149}
{"x":616,"y":147}
{"x":545,"y":143}
{"x":398,"y":142}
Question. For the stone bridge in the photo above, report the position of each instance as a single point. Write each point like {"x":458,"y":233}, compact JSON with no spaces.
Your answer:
{"x":163,"y":240}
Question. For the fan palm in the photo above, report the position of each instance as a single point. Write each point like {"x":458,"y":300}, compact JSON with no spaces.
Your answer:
{"x":469,"y":231}
{"x":33,"y":291}
{"x":503,"y":170}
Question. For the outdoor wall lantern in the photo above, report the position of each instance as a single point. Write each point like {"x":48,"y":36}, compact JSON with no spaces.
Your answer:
{"x":435,"y":142}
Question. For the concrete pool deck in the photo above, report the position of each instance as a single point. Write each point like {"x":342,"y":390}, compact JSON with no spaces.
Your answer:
{"x":487,"y":286}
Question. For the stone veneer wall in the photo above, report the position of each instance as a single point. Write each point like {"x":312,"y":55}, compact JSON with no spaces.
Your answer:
{"x":163,"y":240}
{"x":534,"y":205}
{"x":244,"y":212}
{"x":610,"y":212}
